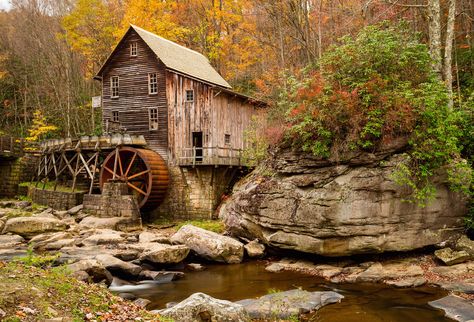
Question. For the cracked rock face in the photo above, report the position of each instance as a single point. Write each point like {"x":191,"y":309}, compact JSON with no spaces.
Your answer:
{"x":331,"y":209}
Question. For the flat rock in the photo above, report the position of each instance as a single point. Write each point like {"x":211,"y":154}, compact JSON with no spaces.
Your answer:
{"x":283,"y":305}
{"x":94,"y":268}
{"x":195,"y":267}
{"x":202,"y":307}
{"x":40,"y":241}
{"x":254,"y":249}
{"x":407,"y":282}
{"x":9,"y":241}
{"x":151,"y":237}
{"x":455,"y":308}
{"x":142,"y":302}
{"x":100,"y":223}
{"x":11,"y":253}
{"x":114,"y":264}
{"x":59,"y":244}
{"x":210,"y":245}
{"x":450,"y":257}
{"x":459,"y":286}
{"x":449,"y":271}
{"x":165,"y":254}
{"x":160,"y":275}
{"x":389,"y":271}
{"x":112,"y":238}
{"x":30,"y":226}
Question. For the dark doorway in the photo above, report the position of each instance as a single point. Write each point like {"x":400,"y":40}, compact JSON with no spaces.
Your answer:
{"x":197,"y":144}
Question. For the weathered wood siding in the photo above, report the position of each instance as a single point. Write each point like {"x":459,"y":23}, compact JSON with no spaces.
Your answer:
{"x":212,"y":113}
{"x":134,"y":101}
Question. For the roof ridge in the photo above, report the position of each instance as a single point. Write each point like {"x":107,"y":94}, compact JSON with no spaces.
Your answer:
{"x":167,"y":40}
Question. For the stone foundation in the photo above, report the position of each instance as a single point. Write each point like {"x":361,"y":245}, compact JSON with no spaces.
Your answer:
{"x":195,"y":193}
{"x":114,"y":202}
{"x":13,"y":172}
{"x":58,"y":200}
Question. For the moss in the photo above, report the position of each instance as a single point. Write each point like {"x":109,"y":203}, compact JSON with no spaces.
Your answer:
{"x":216,"y":226}
{"x":48,"y":186}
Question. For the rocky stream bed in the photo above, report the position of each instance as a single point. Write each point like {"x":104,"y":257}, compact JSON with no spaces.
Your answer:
{"x":160,"y":268}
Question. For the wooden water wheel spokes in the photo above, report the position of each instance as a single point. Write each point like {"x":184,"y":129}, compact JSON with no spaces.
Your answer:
{"x":144,"y":171}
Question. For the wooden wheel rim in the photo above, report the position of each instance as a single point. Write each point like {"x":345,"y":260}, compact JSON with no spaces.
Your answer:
{"x":138,"y":165}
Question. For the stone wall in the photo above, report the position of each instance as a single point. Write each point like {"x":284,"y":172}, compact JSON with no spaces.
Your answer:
{"x":13,"y":171}
{"x":195,"y":193}
{"x":58,"y":200}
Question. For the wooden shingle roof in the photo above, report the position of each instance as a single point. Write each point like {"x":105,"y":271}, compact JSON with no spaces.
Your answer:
{"x":178,"y":58}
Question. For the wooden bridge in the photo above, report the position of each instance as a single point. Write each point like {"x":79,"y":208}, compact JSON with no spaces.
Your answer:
{"x":11,"y":147}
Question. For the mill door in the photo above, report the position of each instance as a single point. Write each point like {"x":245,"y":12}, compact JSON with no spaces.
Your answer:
{"x":197,"y":145}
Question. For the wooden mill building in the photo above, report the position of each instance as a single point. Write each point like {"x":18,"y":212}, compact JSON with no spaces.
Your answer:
{"x":187,"y":113}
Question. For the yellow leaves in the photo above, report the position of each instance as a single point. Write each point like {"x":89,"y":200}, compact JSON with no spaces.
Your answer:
{"x":39,"y":129}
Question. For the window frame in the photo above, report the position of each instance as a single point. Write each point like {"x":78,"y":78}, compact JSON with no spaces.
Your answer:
{"x":112,"y":87}
{"x":186,"y":96}
{"x":152,"y":85}
{"x":133,"y":47}
{"x":227,"y":139}
{"x":115,"y":116}
{"x":153,"y":119}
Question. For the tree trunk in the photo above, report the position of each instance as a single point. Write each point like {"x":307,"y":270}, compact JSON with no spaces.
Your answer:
{"x":434,"y":17}
{"x":448,"y":50}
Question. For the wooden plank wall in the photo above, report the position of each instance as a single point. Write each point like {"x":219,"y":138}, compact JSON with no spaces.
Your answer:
{"x":214,"y":113}
{"x":134,"y":101}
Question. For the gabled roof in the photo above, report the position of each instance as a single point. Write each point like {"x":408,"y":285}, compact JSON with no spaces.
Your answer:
{"x":177,"y":58}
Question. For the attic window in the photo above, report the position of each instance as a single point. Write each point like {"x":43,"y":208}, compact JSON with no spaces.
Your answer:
{"x":153,"y":118}
{"x":133,"y":49}
{"x":114,"y":86}
{"x":190,"y":95}
{"x":227,"y":139}
{"x":152,"y":83}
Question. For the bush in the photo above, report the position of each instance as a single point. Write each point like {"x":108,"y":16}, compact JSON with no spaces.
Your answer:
{"x":371,"y":90}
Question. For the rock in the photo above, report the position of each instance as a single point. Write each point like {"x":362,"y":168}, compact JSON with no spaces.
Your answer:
{"x":109,"y":238}
{"x":455,"y":308}
{"x":114,"y":264}
{"x":95,"y":269}
{"x":53,"y":239}
{"x":160,"y":275}
{"x":81,"y":276}
{"x":202,"y":307}
{"x":275,"y":268}
{"x":30,"y":226}
{"x":210,"y":245}
{"x":283,"y":305}
{"x":74,"y":210}
{"x":458,"y":286}
{"x":44,"y":214}
{"x":113,"y":223}
{"x":450,"y":271}
{"x":142,"y":303}
{"x":127,"y":254}
{"x":465,"y":244}
{"x":407,"y":282}
{"x":254,"y":249}
{"x":340,"y":208}
{"x":2,"y":225}
{"x":6,"y":204}
{"x":10,"y":241}
{"x":149,"y":237}
{"x":389,"y":271}
{"x":195,"y":267}
{"x":127,"y":296}
{"x":325,"y":271}
{"x":165,"y":254}
{"x":450,"y":257}
{"x":22,"y":204}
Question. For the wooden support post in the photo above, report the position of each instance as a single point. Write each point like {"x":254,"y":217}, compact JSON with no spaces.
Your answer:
{"x":76,"y":171}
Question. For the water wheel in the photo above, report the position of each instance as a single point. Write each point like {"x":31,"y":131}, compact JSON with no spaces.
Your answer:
{"x":144,"y":171}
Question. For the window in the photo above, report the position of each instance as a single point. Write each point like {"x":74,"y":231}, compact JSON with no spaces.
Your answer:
{"x":152,"y":83}
{"x":115,"y":116}
{"x":190,"y":95}
{"x":153,"y":118}
{"x":114,"y":86}
{"x":133,"y":49}
{"x":227,"y":139}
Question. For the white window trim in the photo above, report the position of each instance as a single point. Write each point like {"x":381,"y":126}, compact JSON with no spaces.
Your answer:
{"x":150,"y":120}
{"x":149,"y":84}
{"x":133,"y":45}
{"x":186,"y":97}
{"x":112,"y":86}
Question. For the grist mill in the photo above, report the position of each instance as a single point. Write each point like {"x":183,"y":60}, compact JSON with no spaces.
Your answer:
{"x":182,"y":130}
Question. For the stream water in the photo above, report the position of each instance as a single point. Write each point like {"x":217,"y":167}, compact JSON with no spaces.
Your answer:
{"x":362,"y":302}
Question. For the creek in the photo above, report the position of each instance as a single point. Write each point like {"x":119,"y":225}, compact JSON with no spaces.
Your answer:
{"x":362,"y":302}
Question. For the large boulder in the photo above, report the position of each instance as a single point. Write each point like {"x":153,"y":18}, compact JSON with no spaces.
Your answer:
{"x":93,"y":268}
{"x":283,"y":305}
{"x":451,"y":257}
{"x":9,"y":241}
{"x":165,"y":254}
{"x":118,"y":266}
{"x":210,"y":245}
{"x":338,"y":209}
{"x":202,"y":307}
{"x":30,"y":226}
{"x":455,"y":307}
